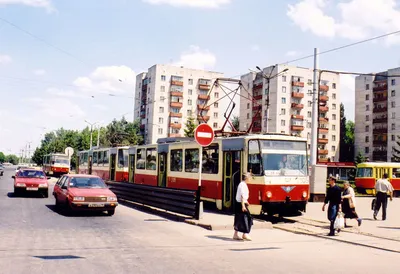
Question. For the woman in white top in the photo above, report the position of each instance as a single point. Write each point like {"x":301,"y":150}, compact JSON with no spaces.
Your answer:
{"x":349,"y":204}
{"x":243,"y":220}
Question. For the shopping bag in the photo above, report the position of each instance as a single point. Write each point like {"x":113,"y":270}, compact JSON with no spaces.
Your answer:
{"x":373,"y":204}
{"x":339,"y":221}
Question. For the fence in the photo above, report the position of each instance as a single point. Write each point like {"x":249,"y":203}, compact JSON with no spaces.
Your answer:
{"x":180,"y":201}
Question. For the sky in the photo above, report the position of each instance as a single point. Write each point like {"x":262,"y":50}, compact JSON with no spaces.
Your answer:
{"x":64,"y":62}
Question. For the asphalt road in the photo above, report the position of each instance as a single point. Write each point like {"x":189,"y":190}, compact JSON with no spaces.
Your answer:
{"x":36,"y":239}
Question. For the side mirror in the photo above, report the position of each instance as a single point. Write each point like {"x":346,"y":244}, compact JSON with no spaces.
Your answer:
{"x":13,"y":177}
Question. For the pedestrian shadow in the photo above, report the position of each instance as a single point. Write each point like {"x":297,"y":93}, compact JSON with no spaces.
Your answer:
{"x":255,"y":249}
{"x":388,"y":227}
{"x":222,"y":238}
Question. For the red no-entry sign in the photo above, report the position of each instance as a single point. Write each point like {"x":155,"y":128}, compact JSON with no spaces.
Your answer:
{"x":204,"y":135}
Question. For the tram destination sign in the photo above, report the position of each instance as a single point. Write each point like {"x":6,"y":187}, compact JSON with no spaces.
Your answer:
{"x":204,"y":135}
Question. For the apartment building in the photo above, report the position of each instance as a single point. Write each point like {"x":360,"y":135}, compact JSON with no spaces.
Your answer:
{"x":290,"y":105}
{"x":165,"y":96}
{"x":376,"y":119}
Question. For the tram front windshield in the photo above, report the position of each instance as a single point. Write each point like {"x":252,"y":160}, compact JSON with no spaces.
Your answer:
{"x":284,"y":158}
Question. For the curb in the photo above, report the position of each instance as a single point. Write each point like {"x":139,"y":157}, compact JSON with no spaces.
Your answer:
{"x":256,"y":225}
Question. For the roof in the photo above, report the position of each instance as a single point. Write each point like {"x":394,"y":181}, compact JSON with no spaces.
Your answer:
{"x":379,"y":164}
{"x":82,"y":176}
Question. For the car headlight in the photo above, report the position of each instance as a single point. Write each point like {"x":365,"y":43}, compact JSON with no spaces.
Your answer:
{"x":21,"y":184}
{"x":111,"y":199}
{"x":304,"y":194}
{"x":269,"y":194}
{"x":43,"y":185}
{"x":79,"y":199}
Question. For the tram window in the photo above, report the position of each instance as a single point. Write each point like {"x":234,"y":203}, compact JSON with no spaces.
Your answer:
{"x":151,"y":154}
{"x":85,"y":158}
{"x":396,"y":173}
{"x":105,"y":158}
{"x":95,"y":157}
{"x":141,"y":160}
{"x":100,"y":158}
{"x":254,"y":164}
{"x":192,"y":160}
{"x":122,"y":158}
{"x":176,"y":160}
{"x":364,"y":172}
{"x":210,"y":160}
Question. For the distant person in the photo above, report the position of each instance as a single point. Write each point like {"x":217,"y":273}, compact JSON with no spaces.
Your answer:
{"x":349,"y":204}
{"x":334,"y":198}
{"x":243,"y":220}
{"x":382,"y":187}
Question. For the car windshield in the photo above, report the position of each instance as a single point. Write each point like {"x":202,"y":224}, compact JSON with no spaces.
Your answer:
{"x":87,"y":182}
{"x":31,"y":174}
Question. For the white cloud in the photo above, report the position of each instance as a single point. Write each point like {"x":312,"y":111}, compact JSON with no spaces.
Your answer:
{"x":356,"y":19}
{"x":47,"y":4}
{"x":347,"y":95}
{"x":190,"y":3}
{"x":5,"y":59}
{"x":292,"y":53}
{"x":255,"y":47}
{"x":56,"y":108}
{"x":39,"y":72}
{"x":197,"y":58}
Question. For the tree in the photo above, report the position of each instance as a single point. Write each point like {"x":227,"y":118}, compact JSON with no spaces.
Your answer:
{"x":396,"y":152}
{"x":360,"y":158}
{"x":13,"y":159}
{"x":235,"y":122}
{"x":346,"y":153}
{"x":190,"y":127}
{"x":2,"y":157}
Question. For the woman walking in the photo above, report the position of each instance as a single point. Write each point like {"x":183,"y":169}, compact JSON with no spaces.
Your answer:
{"x":349,"y":204}
{"x":243,"y":220}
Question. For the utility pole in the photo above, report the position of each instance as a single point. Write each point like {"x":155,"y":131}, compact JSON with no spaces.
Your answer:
{"x":98,"y":137}
{"x":314,"y":120}
{"x":91,"y":132}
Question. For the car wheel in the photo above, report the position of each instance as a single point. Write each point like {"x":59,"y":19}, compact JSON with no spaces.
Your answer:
{"x":16,"y":192}
{"x":110,"y":212}
{"x":46,"y":194}
{"x":57,"y":204}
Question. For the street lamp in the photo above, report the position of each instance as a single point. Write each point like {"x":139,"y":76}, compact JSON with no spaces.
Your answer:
{"x":268,"y":78}
{"x":91,"y":131}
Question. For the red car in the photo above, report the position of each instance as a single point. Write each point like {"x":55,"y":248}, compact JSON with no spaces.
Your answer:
{"x":84,"y":192}
{"x":31,"y":180}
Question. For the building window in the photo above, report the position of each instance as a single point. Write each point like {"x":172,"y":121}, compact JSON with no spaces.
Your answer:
{"x":309,"y":125}
{"x":393,"y":104}
{"x":160,"y":120}
{"x":216,"y":105}
{"x":215,"y":125}
{"x":160,"y":131}
{"x":367,"y":107}
{"x":333,"y":148}
{"x":333,"y":138}
{"x":366,"y":97}
{"x":189,"y":102}
{"x":189,"y":112}
{"x":283,"y":111}
{"x":334,"y":85}
{"x":248,"y":105}
{"x":309,"y":103}
{"x":393,"y":93}
{"x":393,"y":82}
{"x":215,"y":114}
{"x":309,"y":93}
{"x":283,"y":89}
{"x":393,"y":137}
{"x":366,"y":128}
{"x":334,"y":127}
{"x":216,"y":95}
{"x":309,"y":114}
{"x":248,"y":115}
{"x":366,"y":150}
{"x":334,"y":96}
{"x":190,"y":81}
{"x":393,"y":115}
{"x":163,"y":78}
{"x":333,"y":106}
{"x":283,"y":78}
{"x":309,"y":82}
{"x":367,"y":86}
{"x":308,"y":135}
{"x":283,"y":100}
{"x":283,"y":122}
{"x":334,"y":117}
{"x":367,"y":118}
{"x":266,"y":91}
{"x":161,"y":110}
{"x":367,"y":139}
{"x":393,"y":126}
{"x":190,"y":91}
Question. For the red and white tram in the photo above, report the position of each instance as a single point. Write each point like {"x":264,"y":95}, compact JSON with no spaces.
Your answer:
{"x":56,"y":164}
{"x":278,"y":163}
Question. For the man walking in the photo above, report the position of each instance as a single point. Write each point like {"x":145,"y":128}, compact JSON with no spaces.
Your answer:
{"x":382,"y":187}
{"x":334,"y":197}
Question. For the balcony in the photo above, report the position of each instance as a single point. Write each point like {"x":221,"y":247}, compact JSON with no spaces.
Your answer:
{"x":296,"y":128}
{"x":257,"y":86}
{"x":177,"y":93}
{"x":323,"y":98}
{"x":298,"y":84}
{"x":175,"y":125}
{"x":257,"y":107}
{"x":298,"y":106}
{"x":379,"y":154}
{"x":379,"y":110}
{"x":203,"y":118}
{"x":258,"y":97}
{"x":380,"y":120}
{"x":380,"y":130}
{"x":380,"y":87}
{"x":176,"y":104}
{"x":323,"y":120}
{"x":201,"y":107}
{"x":323,"y":152}
{"x":298,"y":117}
{"x":174,"y":114}
{"x":380,"y":142}
{"x":297,"y":95}
{"x":256,"y":129}
{"x":379,"y":99}
{"x":324,"y":88}
{"x":174,"y":135}
{"x":204,"y":87}
{"x":322,"y":141}
{"x":322,"y":130}
{"x":143,"y":116}
{"x":204,"y":97}
{"x":143,"y":126}
{"x":323,"y":109}
{"x":176,"y":83}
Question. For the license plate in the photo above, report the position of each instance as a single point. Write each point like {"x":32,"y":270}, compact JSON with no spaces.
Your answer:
{"x":32,"y":188}
{"x":96,"y":205}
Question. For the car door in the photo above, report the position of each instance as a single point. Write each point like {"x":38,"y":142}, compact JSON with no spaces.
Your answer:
{"x":60,"y":192}
{"x":57,"y":186}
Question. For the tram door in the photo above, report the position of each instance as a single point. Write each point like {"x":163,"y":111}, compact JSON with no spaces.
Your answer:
{"x":232,"y":175}
{"x":162,"y":169}
{"x":90,"y":164}
{"x":112,"y":166}
{"x":131,"y":168}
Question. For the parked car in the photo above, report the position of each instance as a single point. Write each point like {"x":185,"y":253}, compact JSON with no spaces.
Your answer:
{"x":84,"y":192}
{"x":31,"y":180}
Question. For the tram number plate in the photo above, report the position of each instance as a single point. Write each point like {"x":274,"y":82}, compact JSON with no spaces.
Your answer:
{"x":96,"y":205}
{"x":32,"y":188}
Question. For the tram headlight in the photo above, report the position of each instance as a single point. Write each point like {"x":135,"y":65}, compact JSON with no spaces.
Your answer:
{"x":304,"y":194}
{"x":269,"y":194}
